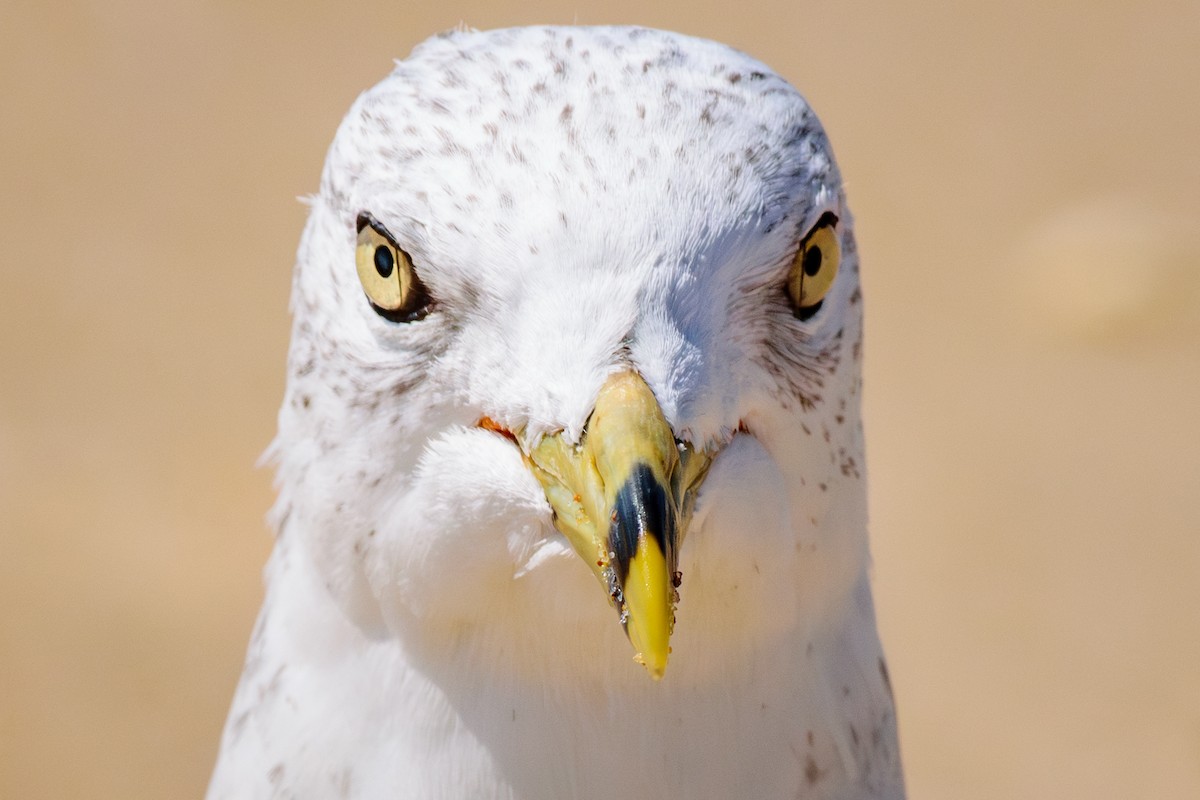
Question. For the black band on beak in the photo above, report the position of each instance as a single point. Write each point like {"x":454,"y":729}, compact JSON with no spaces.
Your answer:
{"x":642,"y":508}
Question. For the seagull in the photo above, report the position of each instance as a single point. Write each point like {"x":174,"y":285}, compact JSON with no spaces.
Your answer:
{"x":570,"y":468}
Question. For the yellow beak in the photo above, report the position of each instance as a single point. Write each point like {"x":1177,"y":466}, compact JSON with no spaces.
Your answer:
{"x":622,"y":497}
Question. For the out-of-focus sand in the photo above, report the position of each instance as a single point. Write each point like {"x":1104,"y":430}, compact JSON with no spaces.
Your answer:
{"x":1026,"y":182}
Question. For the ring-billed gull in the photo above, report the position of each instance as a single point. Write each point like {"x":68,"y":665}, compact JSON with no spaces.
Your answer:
{"x":574,"y":376}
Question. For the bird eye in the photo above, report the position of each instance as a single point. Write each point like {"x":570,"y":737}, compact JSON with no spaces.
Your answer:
{"x":387,"y":274}
{"x":815,"y":267}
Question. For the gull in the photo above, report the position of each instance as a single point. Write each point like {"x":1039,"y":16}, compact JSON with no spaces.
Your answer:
{"x":571,"y":500}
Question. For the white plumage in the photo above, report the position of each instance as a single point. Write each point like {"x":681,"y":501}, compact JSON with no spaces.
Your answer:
{"x":578,"y":202}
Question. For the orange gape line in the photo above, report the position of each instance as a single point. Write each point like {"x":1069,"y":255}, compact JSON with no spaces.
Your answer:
{"x":489,"y":424}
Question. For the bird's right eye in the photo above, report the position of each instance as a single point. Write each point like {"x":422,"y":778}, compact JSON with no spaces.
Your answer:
{"x":387,"y":274}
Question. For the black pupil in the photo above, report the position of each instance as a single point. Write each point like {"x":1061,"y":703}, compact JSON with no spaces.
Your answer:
{"x":384,"y":261}
{"x":812,"y":261}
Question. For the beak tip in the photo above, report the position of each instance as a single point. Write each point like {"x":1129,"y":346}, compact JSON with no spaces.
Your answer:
{"x":656,"y":665}
{"x":649,"y":605}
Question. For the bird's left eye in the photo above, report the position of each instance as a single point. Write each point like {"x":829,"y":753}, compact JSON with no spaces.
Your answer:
{"x":815,"y":267}
{"x":387,"y":274}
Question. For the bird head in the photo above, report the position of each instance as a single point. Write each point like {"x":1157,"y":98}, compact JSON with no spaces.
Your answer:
{"x":568,"y":300}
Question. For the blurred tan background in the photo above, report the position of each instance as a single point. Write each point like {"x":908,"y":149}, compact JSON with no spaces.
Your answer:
{"x":1026,"y":182}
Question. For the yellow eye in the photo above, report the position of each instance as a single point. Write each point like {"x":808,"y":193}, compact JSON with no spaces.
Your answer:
{"x":815,"y":267}
{"x":387,"y":275}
